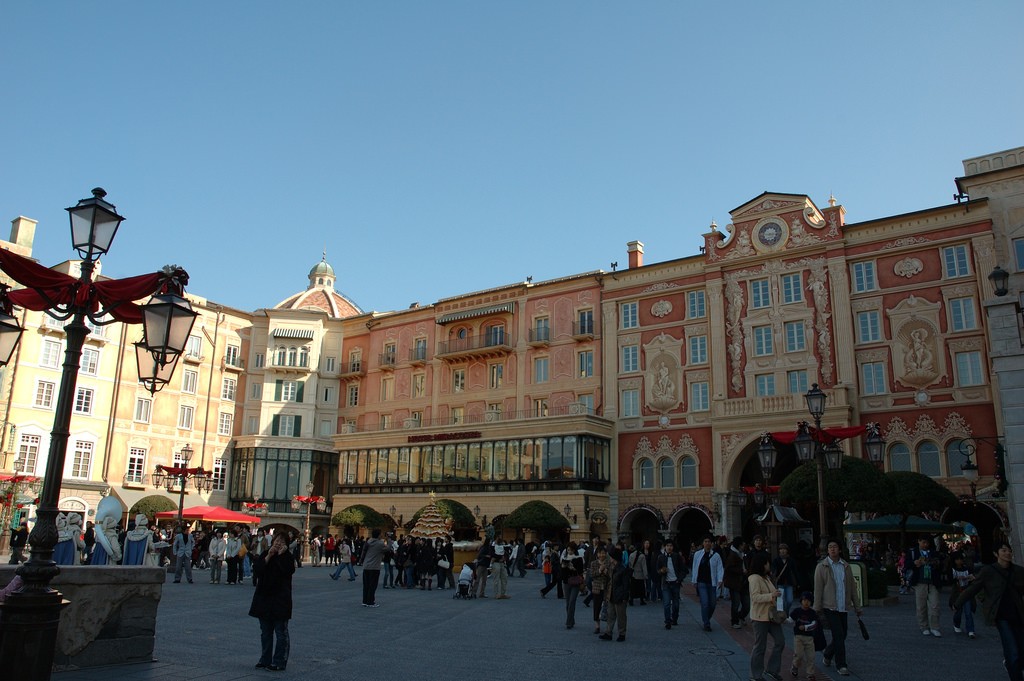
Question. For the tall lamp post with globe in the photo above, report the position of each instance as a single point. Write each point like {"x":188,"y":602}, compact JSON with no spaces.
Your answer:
{"x":30,"y":616}
{"x":308,"y":501}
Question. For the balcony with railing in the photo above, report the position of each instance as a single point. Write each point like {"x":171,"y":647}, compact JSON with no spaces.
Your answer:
{"x":135,"y":479}
{"x":387,"y":361}
{"x":492,"y":344}
{"x":583,"y":330}
{"x":348,"y":371}
{"x":480,"y":418}
{"x":418,"y":356}
{"x":540,"y":337}
{"x":233,"y":363}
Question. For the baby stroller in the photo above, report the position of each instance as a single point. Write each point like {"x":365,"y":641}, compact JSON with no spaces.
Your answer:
{"x":466,"y":579}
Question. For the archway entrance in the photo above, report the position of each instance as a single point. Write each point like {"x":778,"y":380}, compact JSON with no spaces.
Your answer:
{"x":688,"y":525}
{"x":641,"y":523}
{"x":987,"y":521}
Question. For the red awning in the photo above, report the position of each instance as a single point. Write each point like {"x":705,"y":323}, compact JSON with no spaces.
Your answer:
{"x":210,"y":514}
{"x":825,"y":435}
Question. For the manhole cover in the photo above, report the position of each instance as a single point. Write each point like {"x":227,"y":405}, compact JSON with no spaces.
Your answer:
{"x":710,"y":651}
{"x":550,"y":652}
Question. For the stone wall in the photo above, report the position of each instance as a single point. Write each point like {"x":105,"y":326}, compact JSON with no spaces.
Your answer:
{"x":111,"y":618}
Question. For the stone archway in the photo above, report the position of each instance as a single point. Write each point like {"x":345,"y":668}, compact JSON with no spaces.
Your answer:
{"x":641,"y":522}
{"x":689,"y":523}
{"x":989,"y":521}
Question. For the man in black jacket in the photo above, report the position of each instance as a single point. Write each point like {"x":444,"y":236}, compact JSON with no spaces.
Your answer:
{"x":617,"y":595}
{"x":670,"y":570}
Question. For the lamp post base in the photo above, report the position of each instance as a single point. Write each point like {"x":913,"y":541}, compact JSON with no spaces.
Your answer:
{"x":28,"y":633}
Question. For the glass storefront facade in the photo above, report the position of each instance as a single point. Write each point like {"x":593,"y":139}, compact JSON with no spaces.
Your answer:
{"x":276,"y":474}
{"x":583,"y":458}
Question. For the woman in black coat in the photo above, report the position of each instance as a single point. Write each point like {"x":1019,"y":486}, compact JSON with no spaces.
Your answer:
{"x":272,"y":602}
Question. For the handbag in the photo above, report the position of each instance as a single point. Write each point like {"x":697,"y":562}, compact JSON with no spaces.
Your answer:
{"x":575,"y":580}
{"x":863,"y":629}
{"x":443,"y":564}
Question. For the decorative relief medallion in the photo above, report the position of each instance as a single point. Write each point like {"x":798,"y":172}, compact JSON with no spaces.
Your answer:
{"x":908,"y":267}
{"x":661,"y":308}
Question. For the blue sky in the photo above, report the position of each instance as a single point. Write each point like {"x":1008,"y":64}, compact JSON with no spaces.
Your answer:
{"x":437,"y":148}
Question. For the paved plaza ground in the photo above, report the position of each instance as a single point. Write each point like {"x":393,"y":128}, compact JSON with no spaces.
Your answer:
{"x":203,"y":632}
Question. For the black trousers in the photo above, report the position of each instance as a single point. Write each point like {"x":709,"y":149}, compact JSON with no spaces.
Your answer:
{"x":370,"y":579}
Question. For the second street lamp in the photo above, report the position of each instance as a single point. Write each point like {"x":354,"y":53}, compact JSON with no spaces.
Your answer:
{"x":309,"y":500}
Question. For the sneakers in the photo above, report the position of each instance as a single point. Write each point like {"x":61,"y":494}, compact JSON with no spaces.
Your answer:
{"x":794,"y":672}
{"x":936,"y":633}
{"x":970,"y":634}
{"x":373,"y":605}
{"x":826,"y":660}
{"x":926,"y":632}
{"x":957,"y":630}
{"x":843,"y":671}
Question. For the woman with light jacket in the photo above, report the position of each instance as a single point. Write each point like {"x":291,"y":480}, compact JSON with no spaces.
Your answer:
{"x":234,"y":547}
{"x":763,"y":597}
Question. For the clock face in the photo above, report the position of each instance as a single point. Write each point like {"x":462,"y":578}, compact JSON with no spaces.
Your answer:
{"x":770,"y":233}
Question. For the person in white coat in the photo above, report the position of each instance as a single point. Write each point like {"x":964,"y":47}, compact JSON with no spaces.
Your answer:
{"x":707,"y":574}
{"x":218,"y":552}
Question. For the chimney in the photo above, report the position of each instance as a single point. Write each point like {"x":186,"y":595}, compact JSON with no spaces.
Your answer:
{"x":635,"y":250}
{"x":23,"y":231}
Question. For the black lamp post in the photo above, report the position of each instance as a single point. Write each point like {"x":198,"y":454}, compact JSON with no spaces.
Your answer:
{"x":177,"y":476}
{"x":309,"y":501}
{"x":30,"y":616}
{"x":810,"y":447}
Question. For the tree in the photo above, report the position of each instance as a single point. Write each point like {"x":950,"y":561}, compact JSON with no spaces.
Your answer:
{"x":358,"y":516}
{"x":856,"y":486}
{"x":536,"y":515}
{"x":460,"y":516}
{"x":912,"y":493}
{"x":151,"y":506}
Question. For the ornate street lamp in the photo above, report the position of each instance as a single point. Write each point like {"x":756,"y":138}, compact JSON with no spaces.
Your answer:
{"x":1000,"y":280}
{"x":255,"y":507}
{"x":814,"y":447}
{"x":30,"y":616}
{"x":309,"y":501}
{"x":171,"y":477}
{"x":874,"y":445}
{"x":569,"y":515}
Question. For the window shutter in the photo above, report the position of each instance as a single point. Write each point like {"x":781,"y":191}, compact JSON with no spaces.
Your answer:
{"x":277,"y":391}
{"x":298,"y":424}
{"x":302,"y":386}
{"x":275,"y":423}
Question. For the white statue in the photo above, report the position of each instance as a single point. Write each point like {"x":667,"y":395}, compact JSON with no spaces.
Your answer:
{"x":69,"y":545}
{"x":138,"y":542}
{"x":107,"y":550}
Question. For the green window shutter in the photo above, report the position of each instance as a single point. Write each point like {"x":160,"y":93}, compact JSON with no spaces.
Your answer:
{"x":277,"y":391}
{"x":302,"y":386}
{"x":275,"y":423}
{"x":298,"y":423}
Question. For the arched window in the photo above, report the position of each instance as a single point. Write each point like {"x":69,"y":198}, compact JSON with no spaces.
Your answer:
{"x":292,"y":353}
{"x":646,"y":474}
{"x":667,"y":473}
{"x":688,"y":472}
{"x":280,"y":355}
{"x":955,"y":458}
{"x":304,"y":357}
{"x":928,"y":460}
{"x":899,"y":457}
